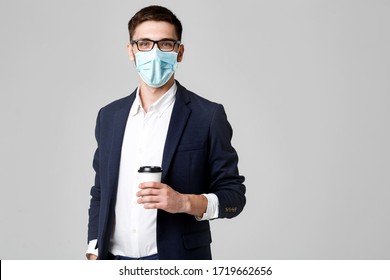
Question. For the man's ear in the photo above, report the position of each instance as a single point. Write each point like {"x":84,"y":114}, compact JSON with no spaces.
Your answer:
{"x":180,"y":53}
{"x":130,"y":52}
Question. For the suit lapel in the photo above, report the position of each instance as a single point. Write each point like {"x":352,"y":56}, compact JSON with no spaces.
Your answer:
{"x":120,"y":120}
{"x":179,"y":118}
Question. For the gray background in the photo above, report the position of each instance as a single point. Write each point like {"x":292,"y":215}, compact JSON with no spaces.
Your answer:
{"x":305,"y":85}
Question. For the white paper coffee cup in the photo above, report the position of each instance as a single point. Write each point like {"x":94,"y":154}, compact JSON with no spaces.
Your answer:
{"x":149,"y":174}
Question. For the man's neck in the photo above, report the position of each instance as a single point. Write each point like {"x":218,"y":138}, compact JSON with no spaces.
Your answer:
{"x":150,"y":95}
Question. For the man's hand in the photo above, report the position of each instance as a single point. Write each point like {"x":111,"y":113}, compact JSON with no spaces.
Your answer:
{"x":154,"y":195}
{"x":91,"y":257}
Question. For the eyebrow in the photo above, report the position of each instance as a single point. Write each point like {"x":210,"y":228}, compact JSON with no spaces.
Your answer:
{"x":156,"y":40}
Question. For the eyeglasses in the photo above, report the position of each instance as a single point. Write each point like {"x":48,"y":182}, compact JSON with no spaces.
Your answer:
{"x":165,"y":45}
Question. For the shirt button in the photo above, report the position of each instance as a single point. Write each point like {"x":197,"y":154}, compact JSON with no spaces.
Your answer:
{"x":134,"y":231}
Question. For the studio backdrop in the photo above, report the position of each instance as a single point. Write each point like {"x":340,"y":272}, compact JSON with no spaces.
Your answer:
{"x":305,"y":85}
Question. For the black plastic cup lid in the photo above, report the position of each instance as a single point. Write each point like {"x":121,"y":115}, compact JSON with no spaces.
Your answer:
{"x":150,"y":169}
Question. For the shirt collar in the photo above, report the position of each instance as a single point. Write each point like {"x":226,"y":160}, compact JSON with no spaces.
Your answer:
{"x":159,"y":106}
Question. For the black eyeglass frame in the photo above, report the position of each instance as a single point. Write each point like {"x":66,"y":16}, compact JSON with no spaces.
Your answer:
{"x":176,"y":42}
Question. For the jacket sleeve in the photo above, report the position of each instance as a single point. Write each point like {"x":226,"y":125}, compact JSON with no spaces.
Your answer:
{"x":94,"y":207}
{"x":226,"y":182}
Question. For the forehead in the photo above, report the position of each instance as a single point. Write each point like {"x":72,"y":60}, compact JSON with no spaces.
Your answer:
{"x":154,"y":30}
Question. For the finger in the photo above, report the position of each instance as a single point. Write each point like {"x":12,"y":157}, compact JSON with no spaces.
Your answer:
{"x":148,"y":199}
{"x":146,"y":185}
{"x":150,"y":206}
{"x":159,"y":205}
{"x":148,"y":191}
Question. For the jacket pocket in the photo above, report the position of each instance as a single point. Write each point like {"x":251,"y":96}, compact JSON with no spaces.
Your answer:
{"x":197,"y":239}
{"x":190,"y":147}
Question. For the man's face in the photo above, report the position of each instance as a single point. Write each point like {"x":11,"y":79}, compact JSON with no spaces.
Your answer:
{"x":154,"y":30}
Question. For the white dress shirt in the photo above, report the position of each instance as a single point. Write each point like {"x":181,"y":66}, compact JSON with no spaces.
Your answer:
{"x":134,"y":234}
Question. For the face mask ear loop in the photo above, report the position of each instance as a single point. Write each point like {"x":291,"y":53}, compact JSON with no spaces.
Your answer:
{"x":135,"y":59}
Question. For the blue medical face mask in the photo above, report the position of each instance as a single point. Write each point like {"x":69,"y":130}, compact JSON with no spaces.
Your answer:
{"x":156,"y":67}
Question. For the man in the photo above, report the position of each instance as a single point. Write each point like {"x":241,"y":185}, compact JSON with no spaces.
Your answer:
{"x":161,"y":124}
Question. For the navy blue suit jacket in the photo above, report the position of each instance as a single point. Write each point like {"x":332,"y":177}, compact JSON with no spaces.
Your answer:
{"x":198,"y":158}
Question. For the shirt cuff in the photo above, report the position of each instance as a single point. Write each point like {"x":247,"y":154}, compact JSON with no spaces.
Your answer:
{"x":212,"y":210}
{"x":91,"y":247}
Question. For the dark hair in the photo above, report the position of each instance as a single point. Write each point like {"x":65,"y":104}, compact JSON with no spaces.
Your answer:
{"x":155,"y":13}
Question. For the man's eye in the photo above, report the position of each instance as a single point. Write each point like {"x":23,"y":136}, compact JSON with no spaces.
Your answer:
{"x":144,"y":43}
{"x":167,"y":44}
